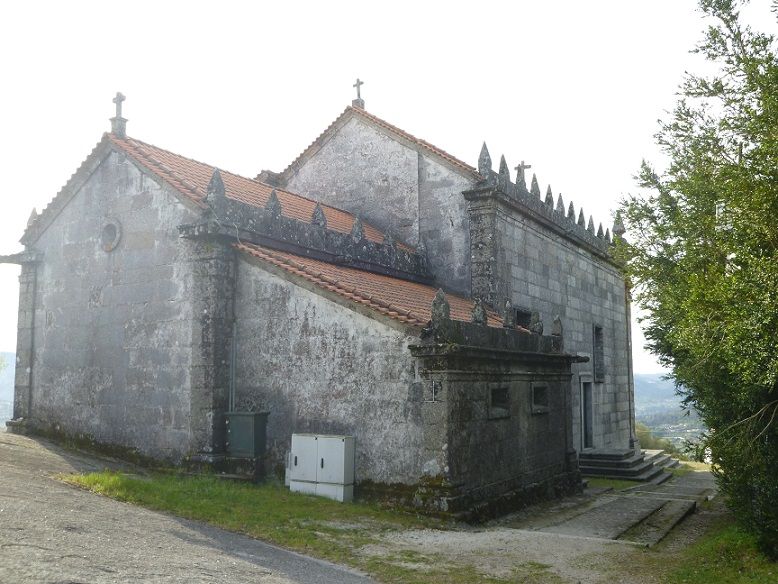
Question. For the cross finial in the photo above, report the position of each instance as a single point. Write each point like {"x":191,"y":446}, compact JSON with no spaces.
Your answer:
{"x":118,"y":123}
{"x":520,"y":179}
{"x":358,"y":102}
{"x":522,"y":167}
{"x":118,"y":101}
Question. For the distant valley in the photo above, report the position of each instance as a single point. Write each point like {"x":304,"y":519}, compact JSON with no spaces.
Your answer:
{"x":658,"y":406}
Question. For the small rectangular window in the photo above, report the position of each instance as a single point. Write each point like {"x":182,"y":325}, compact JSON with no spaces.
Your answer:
{"x":598,"y":355}
{"x":499,"y":403}
{"x":523,"y":317}
{"x":539,"y":398}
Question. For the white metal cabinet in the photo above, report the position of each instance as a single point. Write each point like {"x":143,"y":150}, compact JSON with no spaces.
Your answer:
{"x":322,"y":465}
{"x":302,"y":470}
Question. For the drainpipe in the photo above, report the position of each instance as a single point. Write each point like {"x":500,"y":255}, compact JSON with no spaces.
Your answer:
{"x":234,"y":342}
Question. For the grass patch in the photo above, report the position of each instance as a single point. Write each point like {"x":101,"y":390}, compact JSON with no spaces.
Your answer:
{"x":535,"y":573}
{"x":615,"y":484}
{"x":725,"y":554}
{"x":312,"y":525}
{"x":688,"y":467}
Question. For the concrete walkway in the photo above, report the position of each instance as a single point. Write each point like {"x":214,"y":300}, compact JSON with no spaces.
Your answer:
{"x":643,"y":514}
{"x":53,"y":533}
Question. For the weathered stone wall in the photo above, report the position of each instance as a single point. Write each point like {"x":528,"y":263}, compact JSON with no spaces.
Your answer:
{"x":368,"y":173}
{"x":115,"y":330}
{"x":507,"y":417}
{"x":397,"y":188}
{"x":444,"y":223}
{"x":501,"y":453}
{"x":318,"y":366}
{"x":539,"y":269}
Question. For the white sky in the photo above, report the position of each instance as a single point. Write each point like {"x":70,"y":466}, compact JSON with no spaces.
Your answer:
{"x":574,"y":88}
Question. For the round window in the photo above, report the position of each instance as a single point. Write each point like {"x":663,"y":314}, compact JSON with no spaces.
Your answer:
{"x":109,"y":237}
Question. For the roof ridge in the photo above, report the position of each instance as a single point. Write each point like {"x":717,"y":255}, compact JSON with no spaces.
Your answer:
{"x":164,"y":167}
{"x":421,"y":141}
{"x":49,"y":208}
{"x":388,"y":126}
{"x":319,"y":137}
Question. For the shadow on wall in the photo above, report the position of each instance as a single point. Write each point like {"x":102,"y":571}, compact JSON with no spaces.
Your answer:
{"x":7,"y":362}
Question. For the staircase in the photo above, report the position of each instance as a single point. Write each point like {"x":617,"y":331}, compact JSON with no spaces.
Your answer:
{"x":644,"y":466}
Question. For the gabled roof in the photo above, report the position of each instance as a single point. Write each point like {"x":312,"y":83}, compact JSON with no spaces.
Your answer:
{"x":190,"y":178}
{"x":351,"y":112}
{"x":407,"y":302}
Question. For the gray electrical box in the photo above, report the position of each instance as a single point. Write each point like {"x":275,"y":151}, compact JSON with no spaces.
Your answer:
{"x":246,"y":434}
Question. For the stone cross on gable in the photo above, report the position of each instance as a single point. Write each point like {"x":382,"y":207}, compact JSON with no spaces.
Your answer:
{"x":358,"y":102}
{"x":118,"y":101}
{"x":358,"y":84}
{"x":118,"y":123}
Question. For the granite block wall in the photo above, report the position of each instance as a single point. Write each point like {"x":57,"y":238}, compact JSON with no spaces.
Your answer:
{"x":114,"y":316}
{"x":400,"y":189}
{"x":539,"y":269}
{"x":319,"y":366}
{"x":366,"y":172}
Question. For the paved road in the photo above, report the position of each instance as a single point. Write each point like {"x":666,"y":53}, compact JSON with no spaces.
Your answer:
{"x":53,"y":533}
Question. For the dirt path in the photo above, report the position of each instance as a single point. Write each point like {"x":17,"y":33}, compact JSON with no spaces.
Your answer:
{"x":53,"y":533}
{"x":522,"y":548}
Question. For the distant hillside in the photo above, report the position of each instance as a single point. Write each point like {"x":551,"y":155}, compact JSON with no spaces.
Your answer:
{"x":654,"y":393}
{"x":7,"y":377}
{"x":658,"y":406}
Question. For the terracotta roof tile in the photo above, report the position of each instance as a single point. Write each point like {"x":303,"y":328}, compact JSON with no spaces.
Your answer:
{"x":191,"y":179}
{"x":402,"y":300}
{"x":387,"y":126}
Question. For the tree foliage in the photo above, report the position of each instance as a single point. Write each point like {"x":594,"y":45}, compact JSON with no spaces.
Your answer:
{"x":701,"y":251}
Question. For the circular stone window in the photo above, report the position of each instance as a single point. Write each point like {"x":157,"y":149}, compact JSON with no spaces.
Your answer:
{"x":110,"y":235}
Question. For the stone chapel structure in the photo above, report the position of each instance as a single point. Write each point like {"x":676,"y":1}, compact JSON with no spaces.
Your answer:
{"x":472,"y":334}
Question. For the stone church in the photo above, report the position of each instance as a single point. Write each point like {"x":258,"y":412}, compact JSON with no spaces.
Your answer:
{"x":469,"y":332}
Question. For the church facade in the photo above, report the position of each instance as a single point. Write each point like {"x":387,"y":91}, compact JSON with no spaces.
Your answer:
{"x":471,"y":335}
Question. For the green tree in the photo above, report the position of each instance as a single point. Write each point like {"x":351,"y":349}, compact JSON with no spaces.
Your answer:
{"x":701,"y":253}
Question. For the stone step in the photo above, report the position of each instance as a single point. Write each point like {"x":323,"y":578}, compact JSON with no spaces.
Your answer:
{"x":606,"y":453}
{"x":609,"y":520}
{"x":674,"y":490}
{"x":642,"y":471}
{"x":630,"y":461}
{"x":661,"y":458}
{"x":653,"y":528}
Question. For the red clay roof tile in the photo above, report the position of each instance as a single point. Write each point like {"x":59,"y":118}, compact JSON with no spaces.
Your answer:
{"x":399,"y":299}
{"x":191,"y":179}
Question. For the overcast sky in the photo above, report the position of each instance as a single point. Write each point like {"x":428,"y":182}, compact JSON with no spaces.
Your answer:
{"x":573,"y":88}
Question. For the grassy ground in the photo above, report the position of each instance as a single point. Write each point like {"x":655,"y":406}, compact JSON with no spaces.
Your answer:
{"x":725,"y":554}
{"x":713,"y":550}
{"x":615,"y":484}
{"x":312,"y":525}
